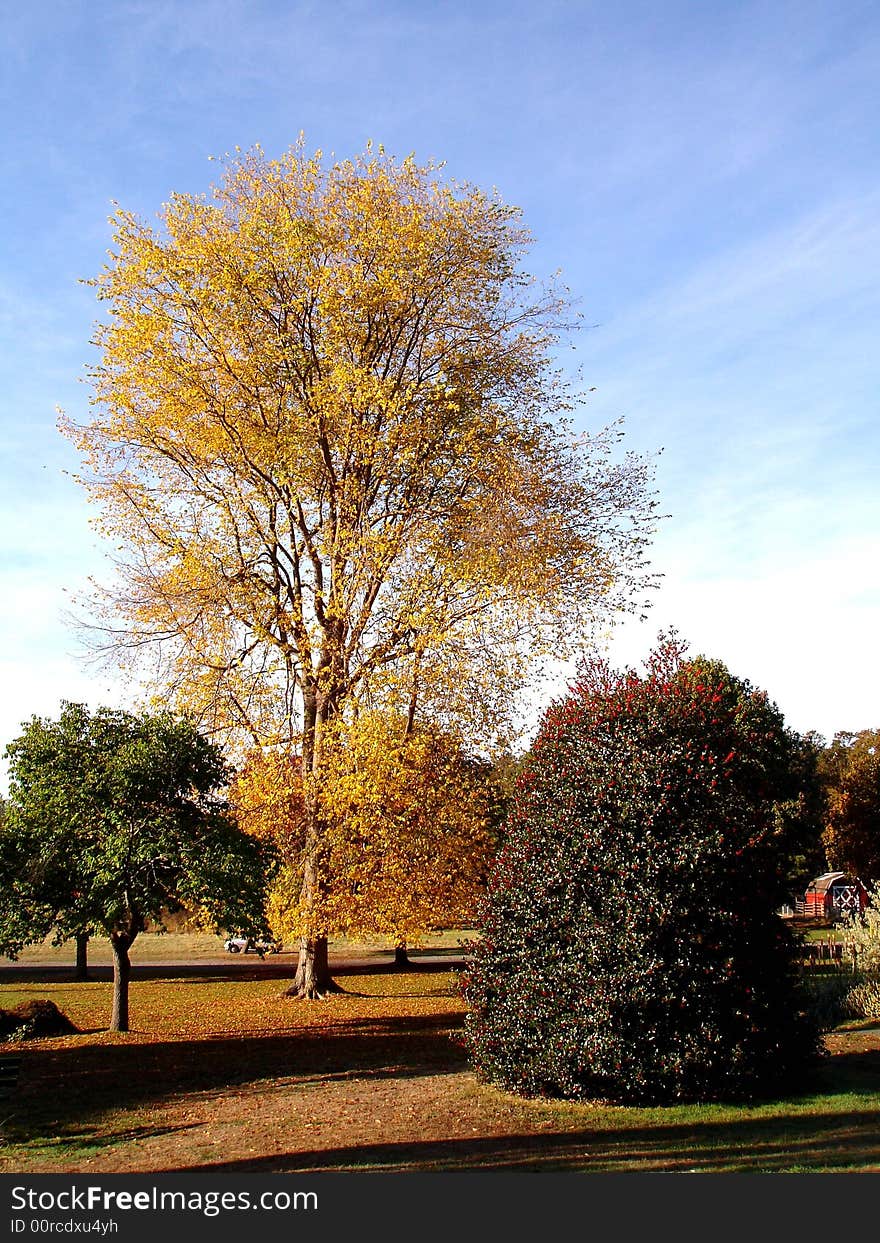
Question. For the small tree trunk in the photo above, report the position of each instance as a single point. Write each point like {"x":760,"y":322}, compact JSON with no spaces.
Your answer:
{"x":120,"y":943}
{"x":81,"y":970}
{"x":401,"y":957}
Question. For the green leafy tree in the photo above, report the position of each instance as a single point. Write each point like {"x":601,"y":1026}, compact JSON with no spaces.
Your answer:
{"x":630,"y":948}
{"x":851,"y":773}
{"x":115,"y":820}
{"x":800,"y":817}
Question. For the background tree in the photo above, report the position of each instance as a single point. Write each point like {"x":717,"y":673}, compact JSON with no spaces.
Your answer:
{"x":81,"y":965}
{"x":408,"y":829}
{"x":851,"y":773}
{"x":407,"y":836}
{"x":800,"y":819}
{"x":630,"y":947}
{"x":862,"y":932}
{"x":330,"y":443}
{"x":113,"y":821}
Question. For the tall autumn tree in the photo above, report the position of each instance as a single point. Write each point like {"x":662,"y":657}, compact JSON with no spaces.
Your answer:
{"x":330,"y":445}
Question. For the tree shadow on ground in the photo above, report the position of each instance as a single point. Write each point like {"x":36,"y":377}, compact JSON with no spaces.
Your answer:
{"x":857,"y":1073}
{"x":61,"y":1088}
{"x":90,"y":1140}
{"x":832,"y":1141}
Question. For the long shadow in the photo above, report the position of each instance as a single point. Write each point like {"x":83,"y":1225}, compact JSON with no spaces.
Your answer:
{"x":856,"y":1073}
{"x":827,"y":1141}
{"x":236,"y":969}
{"x":448,"y":951}
{"x":62,"y":1089}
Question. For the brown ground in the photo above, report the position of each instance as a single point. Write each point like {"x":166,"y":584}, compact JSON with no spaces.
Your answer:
{"x":224,"y":1073}
{"x":263,"y":1083}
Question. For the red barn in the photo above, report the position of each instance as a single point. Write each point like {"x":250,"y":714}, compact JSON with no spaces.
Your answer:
{"x":833,"y":895}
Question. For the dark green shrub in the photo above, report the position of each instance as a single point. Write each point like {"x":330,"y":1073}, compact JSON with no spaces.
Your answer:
{"x":828,"y":998}
{"x":630,"y":948}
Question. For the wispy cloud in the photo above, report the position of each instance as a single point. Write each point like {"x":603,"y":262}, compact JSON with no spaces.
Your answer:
{"x":708,"y":178}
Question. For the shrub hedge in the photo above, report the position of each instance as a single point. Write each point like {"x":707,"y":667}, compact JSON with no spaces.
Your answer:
{"x":630,"y":948}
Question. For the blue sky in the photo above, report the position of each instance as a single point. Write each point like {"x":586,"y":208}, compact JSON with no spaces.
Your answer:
{"x":707,"y":177}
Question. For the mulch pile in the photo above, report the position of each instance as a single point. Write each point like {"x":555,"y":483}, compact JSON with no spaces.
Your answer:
{"x":33,"y":1019}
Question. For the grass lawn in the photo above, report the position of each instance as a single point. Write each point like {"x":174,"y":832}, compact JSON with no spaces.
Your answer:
{"x":223,"y":1072}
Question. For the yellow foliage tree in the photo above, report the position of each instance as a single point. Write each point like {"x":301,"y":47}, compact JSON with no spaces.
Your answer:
{"x":408,"y":835}
{"x":407,"y":830}
{"x":330,"y":446}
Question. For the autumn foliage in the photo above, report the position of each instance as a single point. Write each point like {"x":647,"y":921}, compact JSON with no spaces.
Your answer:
{"x":630,"y":945}
{"x":406,"y":831}
{"x":329,"y":445}
{"x":851,"y":773}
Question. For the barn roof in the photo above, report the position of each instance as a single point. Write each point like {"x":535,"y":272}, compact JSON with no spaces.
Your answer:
{"x":824,"y":882}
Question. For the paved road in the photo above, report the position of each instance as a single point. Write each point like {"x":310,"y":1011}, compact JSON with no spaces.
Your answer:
{"x":273,"y":966}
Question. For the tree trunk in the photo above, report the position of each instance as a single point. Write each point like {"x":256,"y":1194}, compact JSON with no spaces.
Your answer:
{"x":312,"y":980}
{"x":401,"y":957}
{"x":81,"y":970}
{"x":120,"y":943}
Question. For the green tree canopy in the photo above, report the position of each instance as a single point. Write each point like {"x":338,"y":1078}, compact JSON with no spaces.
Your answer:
{"x":800,"y":816}
{"x":113,"y":821}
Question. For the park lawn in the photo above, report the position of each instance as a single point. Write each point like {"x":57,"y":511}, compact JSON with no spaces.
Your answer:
{"x":224,"y":1073}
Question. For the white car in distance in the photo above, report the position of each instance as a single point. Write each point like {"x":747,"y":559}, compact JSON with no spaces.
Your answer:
{"x":259,"y":945}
